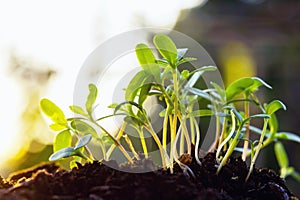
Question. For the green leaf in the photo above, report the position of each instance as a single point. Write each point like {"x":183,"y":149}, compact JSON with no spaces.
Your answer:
{"x":113,"y":105}
{"x":134,"y":84}
{"x":185,"y":74}
{"x":166,"y":48}
{"x":63,"y":153}
{"x":265,"y":116}
{"x":57,"y":127}
{"x":144,"y":93}
{"x":83,"y":128}
{"x":274,"y":106}
{"x":162,"y":113}
{"x":93,"y":92}
{"x":199,"y":93}
{"x":196,"y":74}
{"x":219,"y":90}
{"x":132,"y":103}
{"x":144,"y":54}
{"x":53,"y":111}
{"x":204,"y":69}
{"x":271,"y":108}
{"x":273,"y":123}
{"x":78,"y":110}
{"x":281,"y":155}
{"x":185,"y":60}
{"x":83,"y":141}
{"x":237,"y":87}
{"x":162,"y":62}
{"x":235,"y":112}
{"x":154,"y":71}
{"x":244,"y":85}
{"x":257,"y":83}
{"x":288,"y":136}
{"x":62,"y":140}
{"x":181,"y":53}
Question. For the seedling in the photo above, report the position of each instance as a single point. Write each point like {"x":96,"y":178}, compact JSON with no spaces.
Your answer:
{"x":161,"y":78}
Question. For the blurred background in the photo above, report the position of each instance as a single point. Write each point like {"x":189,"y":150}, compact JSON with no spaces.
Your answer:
{"x":44,"y":44}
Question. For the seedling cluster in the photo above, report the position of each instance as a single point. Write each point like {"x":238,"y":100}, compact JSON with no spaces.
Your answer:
{"x":177,"y":90}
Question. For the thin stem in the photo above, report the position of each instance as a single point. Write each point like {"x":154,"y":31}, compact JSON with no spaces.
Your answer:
{"x":115,"y":141}
{"x":259,"y":147}
{"x":193,"y":135}
{"x":224,"y":127}
{"x":119,"y":135}
{"x":197,"y":140}
{"x":143,"y":141}
{"x":181,"y":149}
{"x":82,"y":155}
{"x":173,"y":135}
{"x":246,"y":141}
{"x":164,"y":156}
{"x":131,"y":147}
{"x":231,"y":146}
{"x":186,"y":134}
{"x":228,"y":137}
{"x":174,"y":120}
{"x":217,"y":135}
{"x":86,"y":147}
{"x":165,"y":128}
{"x":265,"y":143}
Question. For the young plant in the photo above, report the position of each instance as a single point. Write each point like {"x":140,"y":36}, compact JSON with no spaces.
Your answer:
{"x":283,"y":162}
{"x":83,"y":128}
{"x":236,"y":124}
{"x":160,"y":77}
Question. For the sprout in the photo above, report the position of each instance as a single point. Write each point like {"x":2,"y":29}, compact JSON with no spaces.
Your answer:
{"x":177,"y":90}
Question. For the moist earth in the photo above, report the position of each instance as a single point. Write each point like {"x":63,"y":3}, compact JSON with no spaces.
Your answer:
{"x":97,"y":181}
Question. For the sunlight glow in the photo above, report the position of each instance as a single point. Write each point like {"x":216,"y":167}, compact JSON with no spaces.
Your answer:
{"x":62,"y":34}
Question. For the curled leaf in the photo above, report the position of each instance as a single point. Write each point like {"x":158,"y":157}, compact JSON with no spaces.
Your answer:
{"x":91,"y":98}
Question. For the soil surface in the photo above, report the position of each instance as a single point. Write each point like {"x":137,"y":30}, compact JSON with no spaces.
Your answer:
{"x":97,"y":181}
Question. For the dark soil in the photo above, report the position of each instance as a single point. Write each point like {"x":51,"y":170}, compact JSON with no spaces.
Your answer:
{"x":97,"y":181}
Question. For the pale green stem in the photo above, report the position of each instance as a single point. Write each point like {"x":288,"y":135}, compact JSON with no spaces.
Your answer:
{"x":228,"y":137}
{"x":143,"y":141}
{"x":246,"y":141}
{"x":116,"y":142}
{"x":164,"y":156}
{"x":181,"y":149}
{"x":185,"y":135}
{"x":259,"y":147}
{"x":231,"y":147}
{"x":197,"y":141}
{"x":265,"y":143}
{"x":82,"y":155}
{"x":131,"y":147}
{"x":165,"y":129}
{"x":119,"y":135}
{"x":223,"y":131}
{"x":193,"y":135}
{"x":173,"y":135}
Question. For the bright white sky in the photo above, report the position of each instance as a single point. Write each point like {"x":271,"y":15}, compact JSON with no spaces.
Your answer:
{"x":61,"y":34}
